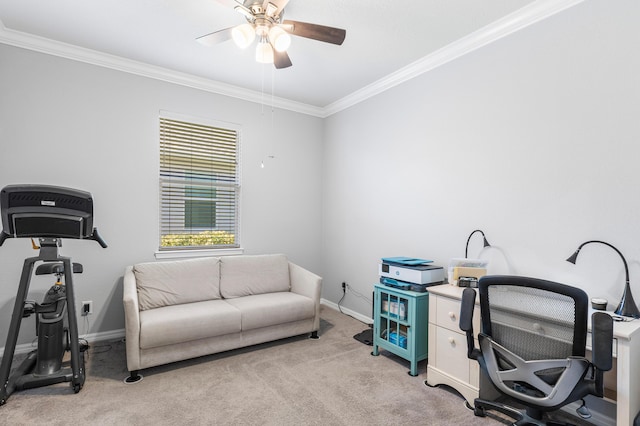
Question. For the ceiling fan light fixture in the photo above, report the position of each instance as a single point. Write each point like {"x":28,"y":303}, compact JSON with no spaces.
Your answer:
{"x":279,"y":38}
{"x":265,"y":22}
{"x":243,"y":35}
{"x":264,"y":52}
{"x":262,"y":28}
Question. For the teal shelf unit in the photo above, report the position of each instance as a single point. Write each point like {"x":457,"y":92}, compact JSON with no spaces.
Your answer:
{"x":401,"y":323}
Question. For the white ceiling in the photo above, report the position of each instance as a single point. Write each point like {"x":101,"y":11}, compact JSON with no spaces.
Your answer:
{"x":383,"y":37}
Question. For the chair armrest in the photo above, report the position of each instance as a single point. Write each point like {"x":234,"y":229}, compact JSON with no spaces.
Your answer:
{"x":602,"y":341}
{"x":467,"y":306}
{"x":131,"y":319}
{"x":601,"y":349}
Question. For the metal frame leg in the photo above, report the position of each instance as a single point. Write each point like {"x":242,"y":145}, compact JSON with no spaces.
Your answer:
{"x":77,"y":380}
{"x":14,"y":328}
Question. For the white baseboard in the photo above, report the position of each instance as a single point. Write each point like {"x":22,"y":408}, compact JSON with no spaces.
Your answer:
{"x":92,"y":337}
{"x":365,"y":319}
{"x":104,"y":336}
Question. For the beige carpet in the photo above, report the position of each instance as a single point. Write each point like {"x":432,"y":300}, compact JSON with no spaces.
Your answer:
{"x":330,"y":381}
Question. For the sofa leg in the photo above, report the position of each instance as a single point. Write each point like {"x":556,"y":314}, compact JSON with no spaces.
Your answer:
{"x":134,"y":377}
{"x":314,"y":335}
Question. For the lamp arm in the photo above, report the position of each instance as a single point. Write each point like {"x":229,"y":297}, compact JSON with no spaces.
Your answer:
{"x":466,"y":249}
{"x":624,"y":261}
{"x":627,"y":306}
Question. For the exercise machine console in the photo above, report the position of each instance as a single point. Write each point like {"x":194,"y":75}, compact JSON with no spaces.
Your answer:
{"x":47,"y":213}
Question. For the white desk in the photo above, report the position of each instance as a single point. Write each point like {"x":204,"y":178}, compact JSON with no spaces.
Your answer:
{"x":444,"y":309}
{"x":627,"y":351}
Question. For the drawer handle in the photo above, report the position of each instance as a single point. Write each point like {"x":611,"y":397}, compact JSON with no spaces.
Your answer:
{"x":452,"y":340}
{"x":452,"y":315}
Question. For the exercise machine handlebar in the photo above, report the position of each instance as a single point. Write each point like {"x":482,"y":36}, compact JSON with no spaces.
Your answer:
{"x":95,"y":236}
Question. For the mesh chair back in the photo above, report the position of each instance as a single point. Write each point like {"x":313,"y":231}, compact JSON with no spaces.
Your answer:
{"x":532,"y":343}
{"x":535,"y":319}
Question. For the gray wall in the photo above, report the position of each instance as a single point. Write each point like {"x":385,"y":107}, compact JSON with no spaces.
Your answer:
{"x":534,"y":139}
{"x":73,"y":124}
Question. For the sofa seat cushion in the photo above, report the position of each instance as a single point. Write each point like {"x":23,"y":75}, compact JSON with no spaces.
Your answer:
{"x":177,"y":281}
{"x":263,"y":310}
{"x":190,"y":321}
{"x":248,"y":275}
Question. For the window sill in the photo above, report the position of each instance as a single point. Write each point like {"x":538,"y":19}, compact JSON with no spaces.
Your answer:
{"x":181,"y":254}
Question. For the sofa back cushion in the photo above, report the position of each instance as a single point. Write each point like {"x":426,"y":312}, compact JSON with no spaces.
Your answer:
{"x":253,"y":274}
{"x":177,"y":281}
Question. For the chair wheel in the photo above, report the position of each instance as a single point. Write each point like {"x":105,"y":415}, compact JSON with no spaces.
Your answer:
{"x":479,"y":412}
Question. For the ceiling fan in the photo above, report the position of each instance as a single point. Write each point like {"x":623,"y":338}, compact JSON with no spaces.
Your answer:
{"x":265,"y":21}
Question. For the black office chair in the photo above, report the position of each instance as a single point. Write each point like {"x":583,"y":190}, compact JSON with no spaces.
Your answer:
{"x":532,"y":345}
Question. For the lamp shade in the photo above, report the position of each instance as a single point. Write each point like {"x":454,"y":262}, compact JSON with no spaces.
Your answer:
{"x":264,"y":53}
{"x":243,"y":35}
{"x":279,"y":38}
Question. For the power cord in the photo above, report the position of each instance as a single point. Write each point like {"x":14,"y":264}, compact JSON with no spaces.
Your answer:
{"x":84,"y":343}
{"x":358,"y":294}
{"x":87,"y":325}
{"x":344,"y":293}
{"x":99,"y":349}
{"x":346,"y":287}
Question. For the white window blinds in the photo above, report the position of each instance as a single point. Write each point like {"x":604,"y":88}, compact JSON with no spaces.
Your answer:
{"x":199,"y":185}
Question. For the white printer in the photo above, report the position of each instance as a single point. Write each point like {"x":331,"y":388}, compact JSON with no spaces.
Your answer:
{"x":416,"y":275}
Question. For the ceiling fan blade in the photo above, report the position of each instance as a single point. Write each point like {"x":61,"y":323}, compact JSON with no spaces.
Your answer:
{"x":238,"y":5}
{"x":215,"y":37}
{"x":281,"y":59}
{"x":229,"y":3}
{"x":315,"y":31}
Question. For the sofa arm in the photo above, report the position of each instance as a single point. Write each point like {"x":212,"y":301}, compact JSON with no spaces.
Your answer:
{"x":307,"y":284}
{"x":131,"y":319}
{"x":304,"y":282}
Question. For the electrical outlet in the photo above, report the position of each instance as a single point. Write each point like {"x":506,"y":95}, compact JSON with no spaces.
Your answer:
{"x":87,"y":308}
{"x":344,"y":287}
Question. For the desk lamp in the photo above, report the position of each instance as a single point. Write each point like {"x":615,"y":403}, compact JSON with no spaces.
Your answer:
{"x":627,"y":306}
{"x":486,"y":243}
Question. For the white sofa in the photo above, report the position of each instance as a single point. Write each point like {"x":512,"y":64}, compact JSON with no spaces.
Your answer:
{"x":176,"y":310}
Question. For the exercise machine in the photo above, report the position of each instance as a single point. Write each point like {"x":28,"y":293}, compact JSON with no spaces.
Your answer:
{"x":47,"y":213}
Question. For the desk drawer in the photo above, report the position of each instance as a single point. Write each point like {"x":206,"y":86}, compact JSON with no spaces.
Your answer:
{"x":451,"y":354}
{"x":448,"y":315}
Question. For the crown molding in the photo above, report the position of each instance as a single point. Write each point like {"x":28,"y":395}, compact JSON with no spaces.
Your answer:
{"x":522,"y":18}
{"x":76,"y":53}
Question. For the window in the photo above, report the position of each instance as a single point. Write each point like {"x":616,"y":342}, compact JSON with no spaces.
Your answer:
{"x":199,"y":207}
{"x":199,"y":185}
